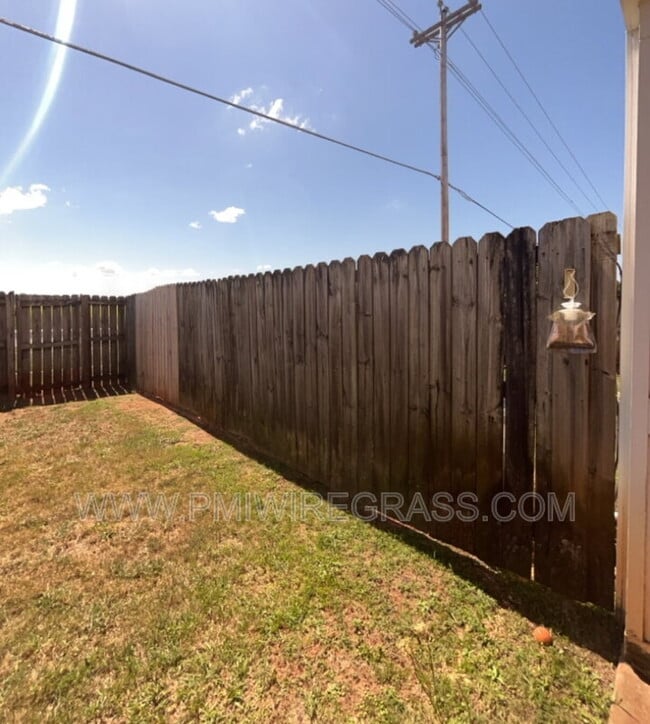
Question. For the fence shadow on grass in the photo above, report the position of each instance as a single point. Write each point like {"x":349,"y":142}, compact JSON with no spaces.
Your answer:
{"x":68,"y":394}
{"x":586,"y":624}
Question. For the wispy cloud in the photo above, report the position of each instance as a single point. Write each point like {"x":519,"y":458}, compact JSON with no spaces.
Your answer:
{"x":13,"y":198}
{"x":195,"y":225}
{"x":264,"y":267}
{"x":229,"y":215}
{"x":274,"y":109}
{"x":241,"y":95}
{"x":108,"y":268}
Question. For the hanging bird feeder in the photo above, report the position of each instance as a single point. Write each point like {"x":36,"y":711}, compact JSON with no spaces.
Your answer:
{"x":571,"y":331}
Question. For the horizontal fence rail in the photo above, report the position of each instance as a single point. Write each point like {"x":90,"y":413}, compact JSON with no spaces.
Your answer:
{"x":52,"y":346}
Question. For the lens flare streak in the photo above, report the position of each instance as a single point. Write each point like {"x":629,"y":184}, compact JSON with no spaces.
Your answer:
{"x":64,"y":25}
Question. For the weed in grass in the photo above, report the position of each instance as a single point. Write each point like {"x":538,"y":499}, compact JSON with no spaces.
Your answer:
{"x":386,"y":707}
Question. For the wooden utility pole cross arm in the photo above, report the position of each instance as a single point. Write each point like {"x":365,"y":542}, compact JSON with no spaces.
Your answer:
{"x":451,"y":21}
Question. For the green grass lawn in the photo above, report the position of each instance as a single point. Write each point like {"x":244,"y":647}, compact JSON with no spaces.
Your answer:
{"x":172,"y":619}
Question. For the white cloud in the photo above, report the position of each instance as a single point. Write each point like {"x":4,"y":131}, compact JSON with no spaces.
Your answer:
{"x":264,"y":267}
{"x":13,"y":198}
{"x":229,"y":215}
{"x":241,"y":95}
{"x":195,"y":225}
{"x":108,"y":268}
{"x":249,"y":165}
{"x":275,"y":109}
{"x":104,"y":277}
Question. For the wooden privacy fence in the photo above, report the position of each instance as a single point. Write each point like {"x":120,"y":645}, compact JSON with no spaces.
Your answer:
{"x":52,"y":346}
{"x":420,"y":372}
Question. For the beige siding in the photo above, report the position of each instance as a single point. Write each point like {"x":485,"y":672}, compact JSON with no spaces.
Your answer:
{"x":633,"y":564}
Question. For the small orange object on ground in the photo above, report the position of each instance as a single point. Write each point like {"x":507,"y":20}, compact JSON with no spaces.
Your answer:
{"x":543,"y":636}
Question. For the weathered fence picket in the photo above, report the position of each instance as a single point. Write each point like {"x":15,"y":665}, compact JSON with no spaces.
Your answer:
{"x":365,"y":395}
{"x":6,"y":350}
{"x":489,"y":392}
{"x":601,"y":531}
{"x":398,"y":370}
{"x":464,"y":380}
{"x":381,"y":374}
{"x":520,"y":355}
{"x":440,"y":377}
{"x":563,"y":417}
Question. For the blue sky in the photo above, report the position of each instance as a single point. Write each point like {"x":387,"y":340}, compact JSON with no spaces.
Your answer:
{"x":103,"y":198}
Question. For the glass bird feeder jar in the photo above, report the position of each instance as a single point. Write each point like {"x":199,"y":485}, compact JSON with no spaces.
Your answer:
{"x":571,"y":331}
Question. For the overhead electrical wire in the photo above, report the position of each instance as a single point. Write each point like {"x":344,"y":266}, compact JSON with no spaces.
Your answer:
{"x":508,"y":132}
{"x":407,"y":21}
{"x":488,"y":109}
{"x":527,"y":117}
{"x":210,"y":96}
{"x":397,"y":12}
{"x":542,"y":107}
{"x":608,"y":252}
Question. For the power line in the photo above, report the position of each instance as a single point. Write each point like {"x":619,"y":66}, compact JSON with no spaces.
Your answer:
{"x":403,"y":18}
{"x":542,"y":108}
{"x":472,"y":89}
{"x":506,"y":130}
{"x":460,"y":76}
{"x":509,"y":133}
{"x":399,"y":14}
{"x":527,"y":117}
{"x":245,"y":109}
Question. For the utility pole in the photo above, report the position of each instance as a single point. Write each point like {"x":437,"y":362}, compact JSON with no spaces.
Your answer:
{"x":440,"y":34}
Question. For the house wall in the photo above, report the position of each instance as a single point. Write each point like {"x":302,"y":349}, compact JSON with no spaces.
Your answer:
{"x":633,"y":563}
